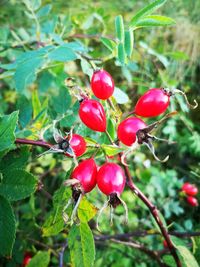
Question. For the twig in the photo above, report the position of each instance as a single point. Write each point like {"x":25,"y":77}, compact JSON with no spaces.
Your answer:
{"x":32,"y":142}
{"x":155,"y":213}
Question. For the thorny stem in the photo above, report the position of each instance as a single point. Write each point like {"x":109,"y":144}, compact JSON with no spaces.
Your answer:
{"x":155,"y":213}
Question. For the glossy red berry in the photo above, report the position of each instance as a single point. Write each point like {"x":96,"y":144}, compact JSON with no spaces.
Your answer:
{"x":92,"y":114}
{"x":189,"y":189}
{"x":192,"y":201}
{"x":128,"y":128}
{"x":78,"y":145}
{"x":153,"y":103}
{"x":111,"y":179}
{"x":102,"y":84}
{"x":86,"y":173}
{"x":27,"y":258}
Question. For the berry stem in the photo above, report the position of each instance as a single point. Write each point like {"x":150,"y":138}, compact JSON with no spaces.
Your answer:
{"x":33,"y":142}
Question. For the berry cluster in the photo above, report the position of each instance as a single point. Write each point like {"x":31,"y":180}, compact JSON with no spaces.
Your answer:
{"x":190,"y":190}
{"x":110,"y":177}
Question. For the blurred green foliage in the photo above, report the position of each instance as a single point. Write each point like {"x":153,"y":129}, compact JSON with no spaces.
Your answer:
{"x":33,"y":83}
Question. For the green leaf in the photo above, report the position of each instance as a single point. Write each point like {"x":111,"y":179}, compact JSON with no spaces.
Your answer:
{"x":119,"y":28}
{"x":111,"y":150}
{"x":86,"y":67}
{"x":15,"y":159}
{"x":7,"y":228}
{"x":7,"y":129}
{"x":120,"y":96}
{"x":197,"y":251}
{"x":41,"y":259}
{"x":63,"y":54}
{"x":36,"y":104}
{"x":17,"y":184}
{"x":169,"y":260}
{"x":26,"y":72}
{"x":121,"y":53}
{"x":110,"y":44}
{"x":44,"y":11}
{"x":54,"y":224}
{"x":61,"y":103}
{"x":32,"y":4}
{"x":128,"y":43}
{"x":86,"y":211}
{"x":25,"y":110}
{"x":187,"y":257}
{"x":147,"y":10}
{"x":155,"y":20}
{"x":81,"y":245}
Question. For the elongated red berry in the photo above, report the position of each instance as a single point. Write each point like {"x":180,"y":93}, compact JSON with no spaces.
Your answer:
{"x":192,"y":201}
{"x":153,"y":103}
{"x":102,"y":84}
{"x":128,"y":128}
{"x":189,"y":189}
{"x":111,"y":179}
{"x":92,"y":114}
{"x":78,"y":145}
{"x":86,"y":173}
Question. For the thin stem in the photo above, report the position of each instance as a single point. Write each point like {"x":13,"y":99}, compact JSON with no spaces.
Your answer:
{"x":33,"y":142}
{"x":155,"y":213}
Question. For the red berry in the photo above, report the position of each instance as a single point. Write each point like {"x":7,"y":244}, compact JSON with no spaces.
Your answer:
{"x":111,"y":179}
{"x":93,"y":115}
{"x":78,"y":145}
{"x":189,"y":189}
{"x":153,"y":103}
{"x":86,"y":173}
{"x":128,"y":128}
{"x":192,"y":201}
{"x":27,"y":258}
{"x":102,"y":84}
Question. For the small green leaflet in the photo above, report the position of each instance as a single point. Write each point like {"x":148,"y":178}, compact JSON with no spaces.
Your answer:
{"x":128,"y":42}
{"x":120,"y":96}
{"x":54,"y":223}
{"x":7,"y":129}
{"x":17,"y":184}
{"x":121,"y":54}
{"x":62,"y":53}
{"x":81,"y":245}
{"x":111,"y":150}
{"x":119,"y":28}
{"x":110,"y":44}
{"x":155,"y":20}
{"x":7,"y":227}
{"x":147,"y":10}
{"x":86,"y":211}
{"x":187,"y":257}
{"x":41,"y":259}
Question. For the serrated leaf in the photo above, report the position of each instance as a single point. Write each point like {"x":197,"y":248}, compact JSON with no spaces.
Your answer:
{"x":41,"y":259}
{"x":7,"y":227}
{"x":128,"y":42}
{"x":81,"y":245}
{"x":86,"y":211}
{"x":119,"y":28}
{"x":17,"y":184}
{"x":26,"y":73}
{"x":120,"y":96}
{"x":111,"y":150}
{"x":62,"y":53}
{"x":61,"y":103}
{"x":121,"y":53}
{"x":110,"y":44}
{"x":154,"y":20}
{"x":15,"y":159}
{"x":25,"y":110}
{"x":54,"y":223}
{"x":187,"y":257}
{"x":7,"y":128}
{"x":147,"y":10}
